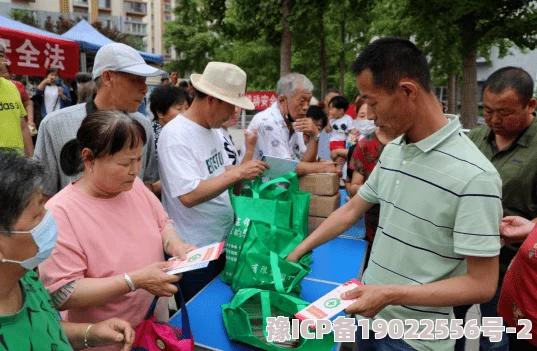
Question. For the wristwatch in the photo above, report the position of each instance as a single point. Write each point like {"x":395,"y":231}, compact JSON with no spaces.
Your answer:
{"x":316,"y":138}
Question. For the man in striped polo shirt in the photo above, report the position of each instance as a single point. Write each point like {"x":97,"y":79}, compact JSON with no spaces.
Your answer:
{"x":437,"y":243}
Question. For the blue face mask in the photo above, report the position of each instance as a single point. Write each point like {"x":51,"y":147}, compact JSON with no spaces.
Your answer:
{"x":44,"y":235}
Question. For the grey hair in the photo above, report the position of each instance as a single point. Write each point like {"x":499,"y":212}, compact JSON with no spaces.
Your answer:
{"x":3,"y":44}
{"x":98,"y":82}
{"x":20,"y":179}
{"x":290,"y":83}
{"x":86,"y":91}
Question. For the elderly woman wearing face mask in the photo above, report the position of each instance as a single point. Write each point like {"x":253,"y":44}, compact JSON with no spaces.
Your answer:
{"x":362,"y":162}
{"x":27,"y":237}
{"x":113,"y":232}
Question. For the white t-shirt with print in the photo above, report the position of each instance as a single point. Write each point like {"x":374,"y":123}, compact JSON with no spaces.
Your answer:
{"x":341,"y":128}
{"x":189,"y":153}
{"x":273,"y":137}
{"x":52,"y":96}
{"x":229,"y":147}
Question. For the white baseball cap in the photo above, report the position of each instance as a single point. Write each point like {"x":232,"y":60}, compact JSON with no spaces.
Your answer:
{"x":117,"y":57}
{"x":224,"y":81}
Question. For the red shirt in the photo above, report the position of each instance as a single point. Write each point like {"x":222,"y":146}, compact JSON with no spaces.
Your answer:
{"x":363,"y":160}
{"x":22,"y":91}
{"x":518,"y":299}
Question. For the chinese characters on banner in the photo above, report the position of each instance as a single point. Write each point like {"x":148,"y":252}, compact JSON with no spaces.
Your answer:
{"x":261,"y":99}
{"x":32,"y":54}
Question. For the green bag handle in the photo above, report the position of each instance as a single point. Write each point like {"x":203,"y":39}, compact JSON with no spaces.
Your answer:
{"x":277,"y":274}
{"x":265,"y":310}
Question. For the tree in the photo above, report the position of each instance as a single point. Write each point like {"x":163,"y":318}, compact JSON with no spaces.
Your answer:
{"x":466,"y":29}
{"x":24,"y":16}
{"x":192,"y":34}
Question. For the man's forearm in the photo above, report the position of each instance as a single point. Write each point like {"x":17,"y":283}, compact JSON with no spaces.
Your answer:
{"x":29,"y":107}
{"x":27,"y":139}
{"x":209,"y":189}
{"x":337,"y":223}
{"x":463,"y":290}
{"x":311,"y":152}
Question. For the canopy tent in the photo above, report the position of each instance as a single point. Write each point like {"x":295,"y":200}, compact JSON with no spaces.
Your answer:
{"x":91,"y":40}
{"x":31,"y":51}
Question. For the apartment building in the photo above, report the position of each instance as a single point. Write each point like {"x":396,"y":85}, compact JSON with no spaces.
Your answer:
{"x":143,"y":18}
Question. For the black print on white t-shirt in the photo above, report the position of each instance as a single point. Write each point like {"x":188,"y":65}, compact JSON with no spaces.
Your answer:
{"x":214,"y":162}
{"x":269,"y":128}
{"x":230,"y":153}
{"x":275,"y":143}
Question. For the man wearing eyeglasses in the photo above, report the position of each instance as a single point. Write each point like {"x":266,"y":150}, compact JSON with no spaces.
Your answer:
{"x":120,"y":75}
{"x":509,"y":141}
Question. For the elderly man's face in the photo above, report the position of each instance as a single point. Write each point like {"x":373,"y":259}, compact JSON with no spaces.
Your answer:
{"x":128,"y":90}
{"x":298,"y":104}
{"x":505,"y":113}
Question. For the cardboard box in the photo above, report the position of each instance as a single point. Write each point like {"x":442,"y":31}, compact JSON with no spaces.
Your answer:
{"x":326,"y":184}
{"x":314,"y":223}
{"x":323,"y":206}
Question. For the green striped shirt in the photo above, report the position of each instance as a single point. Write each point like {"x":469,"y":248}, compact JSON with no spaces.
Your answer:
{"x":440,"y":200}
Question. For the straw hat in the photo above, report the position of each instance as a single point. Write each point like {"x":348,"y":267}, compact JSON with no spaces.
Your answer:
{"x":223,"y":81}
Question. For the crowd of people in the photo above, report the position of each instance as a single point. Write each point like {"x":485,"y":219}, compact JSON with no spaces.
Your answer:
{"x":91,"y":213}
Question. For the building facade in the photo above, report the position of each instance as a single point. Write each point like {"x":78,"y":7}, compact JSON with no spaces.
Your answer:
{"x":142,"y":18}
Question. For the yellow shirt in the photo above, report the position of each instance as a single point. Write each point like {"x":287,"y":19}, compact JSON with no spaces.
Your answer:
{"x":11,"y":111}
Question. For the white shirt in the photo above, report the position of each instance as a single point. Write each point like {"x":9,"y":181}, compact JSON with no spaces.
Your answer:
{"x":52,"y":102}
{"x":273,"y":137}
{"x":341,"y":127}
{"x":189,"y":153}
{"x":229,"y":146}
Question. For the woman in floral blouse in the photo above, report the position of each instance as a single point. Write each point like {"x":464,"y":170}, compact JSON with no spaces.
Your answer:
{"x":518,"y":299}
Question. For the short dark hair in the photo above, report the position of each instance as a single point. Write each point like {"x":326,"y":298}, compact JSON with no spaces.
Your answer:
{"x":20,"y":180}
{"x":164,"y":79}
{"x":183,"y":84}
{"x":511,"y":78}
{"x":391,"y":59}
{"x":165,"y":96}
{"x":83,"y":77}
{"x":317,"y":114}
{"x":52,"y":70}
{"x":103,"y":132}
{"x":339,"y":102}
{"x":199,"y":95}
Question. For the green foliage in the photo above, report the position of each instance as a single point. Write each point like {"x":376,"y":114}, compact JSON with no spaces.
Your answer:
{"x":24,"y":16}
{"x":248,"y":34}
{"x":135,"y":41}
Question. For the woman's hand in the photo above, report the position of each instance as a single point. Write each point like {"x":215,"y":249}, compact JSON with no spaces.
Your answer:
{"x":111,"y":331}
{"x":153,"y":279}
{"x":177,"y":247}
{"x":515,"y":229}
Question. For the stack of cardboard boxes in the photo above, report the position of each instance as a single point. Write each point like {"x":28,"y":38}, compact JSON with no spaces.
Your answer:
{"x":325,"y":196}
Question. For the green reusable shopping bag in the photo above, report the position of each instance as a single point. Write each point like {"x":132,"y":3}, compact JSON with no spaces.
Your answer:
{"x":268,"y":202}
{"x":245,"y":319}
{"x":261,"y":261}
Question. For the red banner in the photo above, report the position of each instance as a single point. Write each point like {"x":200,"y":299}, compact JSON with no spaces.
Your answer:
{"x":33,"y":54}
{"x":261,"y":99}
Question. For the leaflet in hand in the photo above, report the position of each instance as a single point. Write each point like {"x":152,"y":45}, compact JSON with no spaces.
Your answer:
{"x":330,"y":304}
{"x":196,"y":259}
{"x":278,"y":166}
